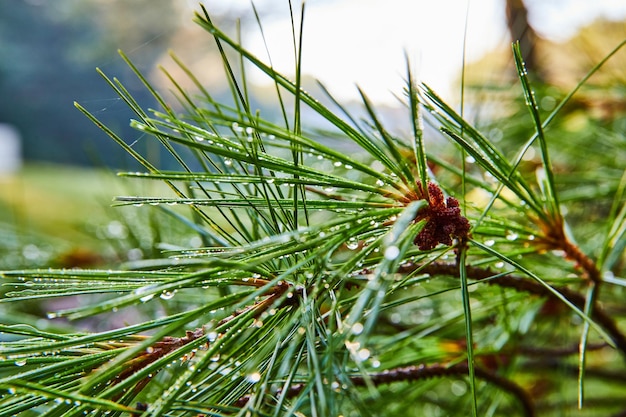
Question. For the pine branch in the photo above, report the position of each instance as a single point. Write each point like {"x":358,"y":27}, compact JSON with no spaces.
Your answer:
{"x":423,"y":372}
{"x":524,"y":285}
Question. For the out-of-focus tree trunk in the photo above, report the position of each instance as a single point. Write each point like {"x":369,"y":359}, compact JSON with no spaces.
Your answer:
{"x":520,"y":29}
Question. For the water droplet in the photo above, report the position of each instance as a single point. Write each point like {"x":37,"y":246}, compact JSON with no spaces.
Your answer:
{"x":352,"y":244}
{"x":20,"y":362}
{"x":363,"y":354}
{"x":380,"y":182}
{"x":228,"y":162}
{"x":608,"y":275}
{"x":352,"y":346}
{"x":458,"y":388}
{"x":31,"y":252}
{"x":51,"y":315}
{"x":512,"y":236}
{"x":212,"y":336}
{"x":392,"y":253}
{"x":357,"y":328}
{"x":337,"y":163}
{"x":490,"y":242}
{"x":11,"y":390}
{"x":167,"y":295}
{"x":143,"y":290}
{"x":134,"y":254}
{"x":395,"y":318}
{"x":116,"y":230}
{"x":254,"y":377}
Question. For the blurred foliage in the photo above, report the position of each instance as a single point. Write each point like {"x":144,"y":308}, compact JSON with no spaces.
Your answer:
{"x":62,"y":217}
{"x":49,"y":50}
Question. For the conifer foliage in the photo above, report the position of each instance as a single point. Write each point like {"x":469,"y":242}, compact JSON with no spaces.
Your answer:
{"x":403,"y":277}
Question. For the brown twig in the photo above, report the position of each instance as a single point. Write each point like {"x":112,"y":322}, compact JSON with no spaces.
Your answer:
{"x":422,"y":372}
{"x":525,"y":285}
{"x":169,"y":344}
{"x":555,"y":352}
{"x":562,"y":368}
{"x":412,"y":373}
{"x":273,"y":294}
{"x":554,"y":238}
{"x":587,"y":264}
{"x":154,"y":352}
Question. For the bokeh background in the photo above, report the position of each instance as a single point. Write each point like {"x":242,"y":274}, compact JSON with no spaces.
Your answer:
{"x":50,"y":50}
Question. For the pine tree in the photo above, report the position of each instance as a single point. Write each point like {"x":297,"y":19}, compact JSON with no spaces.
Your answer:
{"x":400,"y":278}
